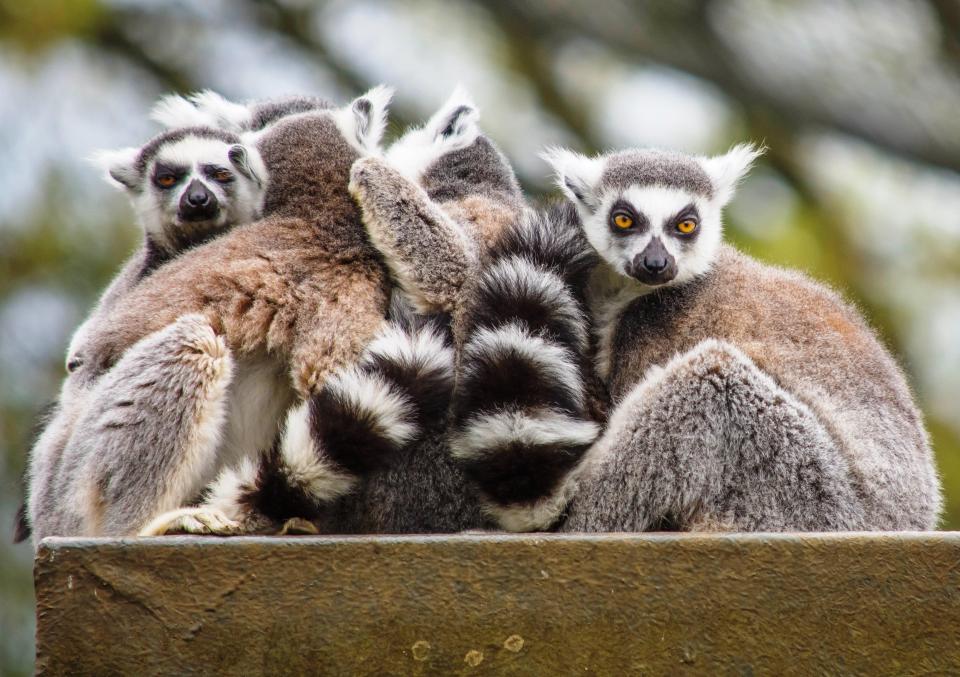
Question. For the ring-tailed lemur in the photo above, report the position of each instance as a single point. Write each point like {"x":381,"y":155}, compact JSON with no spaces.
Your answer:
{"x":433,"y":207}
{"x":187,"y":185}
{"x":746,"y":397}
{"x":295,"y":296}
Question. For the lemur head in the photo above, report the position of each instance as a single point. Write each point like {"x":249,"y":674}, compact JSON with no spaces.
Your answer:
{"x":449,"y":155}
{"x":189,"y":184}
{"x":305,"y":141}
{"x":653,"y":215}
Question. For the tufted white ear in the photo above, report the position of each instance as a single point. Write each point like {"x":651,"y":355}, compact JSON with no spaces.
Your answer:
{"x":456,"y":124}
{"x":221,"y":112}
{"x":577,"y":175}
{"x":119,"y":166}
{"x":248,"y":162}
{"x":202,"y":109}
{"x":726,"y":171}
{"x":173,"y":111}
{"x":363,"y":122}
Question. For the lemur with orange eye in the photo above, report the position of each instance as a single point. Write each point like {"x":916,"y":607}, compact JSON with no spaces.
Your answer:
{"x":744,"y":396}
{"x":193,"y":368}
{"x":369,"y":451}
{"x":187,"y":185}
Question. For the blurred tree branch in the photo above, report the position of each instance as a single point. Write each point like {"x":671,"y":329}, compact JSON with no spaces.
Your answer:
{"x":295,"y":23}
{"x":948,"y":13}
{"x":112,"y":35}
{"x":680,"y":35}
{"x":530,"y":55}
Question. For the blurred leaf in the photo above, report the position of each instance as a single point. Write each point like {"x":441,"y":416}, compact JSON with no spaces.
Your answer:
{"x":35,"y":25}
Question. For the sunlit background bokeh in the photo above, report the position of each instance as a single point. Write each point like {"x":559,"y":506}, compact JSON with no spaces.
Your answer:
{"x":858,"y":102}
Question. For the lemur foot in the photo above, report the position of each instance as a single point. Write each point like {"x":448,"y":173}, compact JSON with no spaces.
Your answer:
{"x":192,"y":521}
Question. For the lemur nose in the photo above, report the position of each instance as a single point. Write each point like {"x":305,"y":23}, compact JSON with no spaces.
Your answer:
{"x":655,"y":264}
{"x":198,"y":198}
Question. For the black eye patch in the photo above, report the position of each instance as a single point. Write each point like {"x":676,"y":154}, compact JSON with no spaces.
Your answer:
{"x":623,"y":219}
{"x":167,"y":176}
{"x":679,"y":226}
{"x":218,"y":173}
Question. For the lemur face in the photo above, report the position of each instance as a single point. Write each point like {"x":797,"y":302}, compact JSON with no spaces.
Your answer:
{"x":187,"y":186}
{"x":655,"y":234}
{"x":654,"y":216}
{"x":196,"y":187}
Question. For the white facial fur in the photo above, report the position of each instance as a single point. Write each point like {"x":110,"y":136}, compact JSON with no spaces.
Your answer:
{"x":454,"y":126}
{"x":158,"y":209}
{"x":579,"y":177}
{"x":659,"y":205}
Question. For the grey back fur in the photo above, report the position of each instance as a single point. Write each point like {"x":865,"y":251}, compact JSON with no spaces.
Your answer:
{"x":816,"y":348}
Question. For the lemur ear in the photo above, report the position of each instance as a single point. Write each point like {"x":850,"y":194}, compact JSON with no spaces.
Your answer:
{"x":173,"y":111}
{"x":577,"y":175}
{"x":248,"y":162}
{"x":726,"y":171}
{"x":225,"y":114}
{"x":456,"y":124}
{"x":363,"y":122}
{"x":120,"y":167}
{"x":235,"y":117}
{"x":202,"y":109}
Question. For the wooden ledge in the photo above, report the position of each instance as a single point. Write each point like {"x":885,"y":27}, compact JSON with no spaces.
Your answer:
{"x":497,"y":604}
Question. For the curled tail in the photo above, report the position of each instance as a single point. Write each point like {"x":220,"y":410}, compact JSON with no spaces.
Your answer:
{"x":361,"y":418}
{"x":522,"y":403}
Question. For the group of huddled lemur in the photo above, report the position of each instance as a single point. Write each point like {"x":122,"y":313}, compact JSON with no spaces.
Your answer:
{"x":317,"y":331}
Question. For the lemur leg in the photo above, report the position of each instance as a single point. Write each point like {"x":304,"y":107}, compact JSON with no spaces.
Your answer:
{"x":711,"y":441}
{"x":146,"y":440}
{"x":355,"y":425}
{"x":48,"y":516}
{"x":429,"y":254}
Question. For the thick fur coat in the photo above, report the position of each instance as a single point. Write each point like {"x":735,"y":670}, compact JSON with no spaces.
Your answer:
{"x":290,"y":298}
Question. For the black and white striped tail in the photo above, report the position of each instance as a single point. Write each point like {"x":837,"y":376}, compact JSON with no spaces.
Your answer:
{"x":522,"y":416}
{"x":363,"y":416}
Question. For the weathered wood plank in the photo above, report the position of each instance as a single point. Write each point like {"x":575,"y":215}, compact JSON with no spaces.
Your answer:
{"x":524,"y":605}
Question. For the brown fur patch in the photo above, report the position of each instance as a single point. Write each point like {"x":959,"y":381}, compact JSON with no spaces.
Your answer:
{"x":303,"y":283}
{"x":486,"y":218}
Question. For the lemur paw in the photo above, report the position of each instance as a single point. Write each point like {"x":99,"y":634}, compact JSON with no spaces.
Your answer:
{"x":370,"y":176}
{"x":306,"y":379}
{"x":365,"y":168}
{"x":192,"y":521}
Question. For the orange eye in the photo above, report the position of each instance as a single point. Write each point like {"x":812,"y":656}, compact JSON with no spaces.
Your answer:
{"x":166,"y":180}
{"x":622,"y":221}
{"x":223,"y":175}
{"x":687,"y":226}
